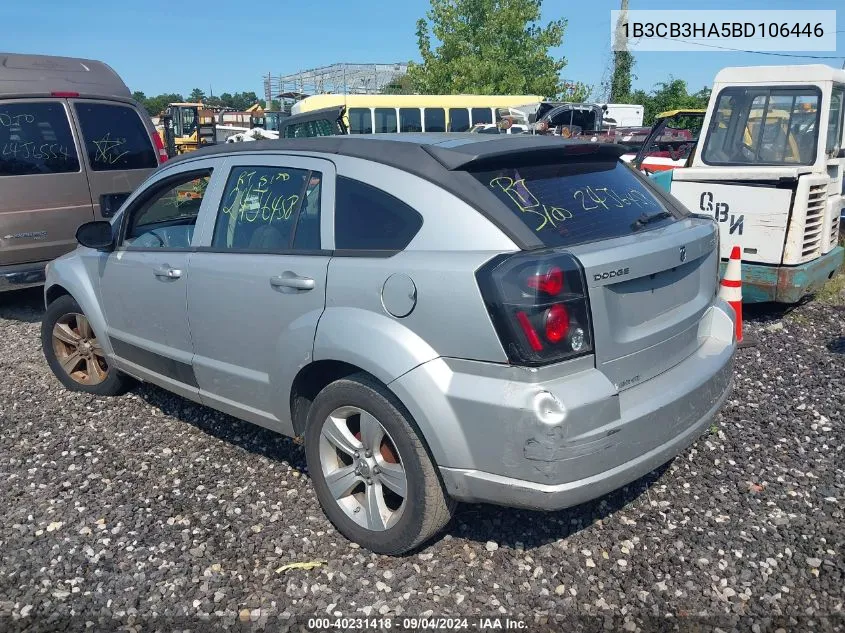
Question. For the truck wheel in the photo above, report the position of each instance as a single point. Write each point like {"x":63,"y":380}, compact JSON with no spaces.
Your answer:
{"x":372,"y":474}
{"x":74,"y":353}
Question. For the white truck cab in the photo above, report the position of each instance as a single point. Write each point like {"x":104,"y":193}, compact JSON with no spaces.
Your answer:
{"x":769,"y":167}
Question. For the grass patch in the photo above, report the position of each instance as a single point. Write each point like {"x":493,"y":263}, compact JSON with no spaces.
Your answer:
{"x":833,"y":292}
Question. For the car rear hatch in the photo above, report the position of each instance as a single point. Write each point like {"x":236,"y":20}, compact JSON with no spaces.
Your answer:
{"x":647,"y":293}
{"x":647,"y":267}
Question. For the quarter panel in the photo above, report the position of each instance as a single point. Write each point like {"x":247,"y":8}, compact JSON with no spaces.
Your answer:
{"x":447,"y":316}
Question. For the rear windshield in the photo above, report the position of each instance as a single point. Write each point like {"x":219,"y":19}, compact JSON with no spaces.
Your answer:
{"x":115,"y":137}
{"x":581,"y":200}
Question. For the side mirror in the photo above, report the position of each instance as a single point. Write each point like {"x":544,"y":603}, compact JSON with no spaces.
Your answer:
{"x":97,"y":235}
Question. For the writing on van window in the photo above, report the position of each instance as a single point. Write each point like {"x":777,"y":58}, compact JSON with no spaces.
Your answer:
{"x":34,"y":150}
{"x":8,"y":120}
{"x":253,"y":197}
{"x":588,"y":198}
{"x":108,"y":149}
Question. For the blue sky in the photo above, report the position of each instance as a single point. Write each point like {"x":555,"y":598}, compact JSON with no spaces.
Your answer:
{"x":153,"y":45}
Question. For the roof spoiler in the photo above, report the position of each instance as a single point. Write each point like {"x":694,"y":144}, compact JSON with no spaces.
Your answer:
{"x":537,"y":149}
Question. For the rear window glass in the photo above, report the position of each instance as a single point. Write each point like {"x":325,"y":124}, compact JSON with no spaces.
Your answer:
{"x":367,"y":218}
{"x":581,"y":200}
{"x":115,"y":137}
{"x":35,"y":138}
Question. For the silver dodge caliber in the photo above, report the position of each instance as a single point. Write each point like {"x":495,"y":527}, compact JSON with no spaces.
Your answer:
{"x":515,"y":320}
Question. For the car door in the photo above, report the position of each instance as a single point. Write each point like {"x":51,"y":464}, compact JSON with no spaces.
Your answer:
{"x":257,"y":284}
{"x":118,"y":149}
{"x":143,"y":282}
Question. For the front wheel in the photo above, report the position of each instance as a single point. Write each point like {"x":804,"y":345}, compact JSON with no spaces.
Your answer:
{"x":372,"y":474}
{"x":74,"y":353}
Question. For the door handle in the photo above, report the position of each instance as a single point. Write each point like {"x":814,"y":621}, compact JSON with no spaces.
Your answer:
{"x":167,"y":272}
{"x":289,"y":279}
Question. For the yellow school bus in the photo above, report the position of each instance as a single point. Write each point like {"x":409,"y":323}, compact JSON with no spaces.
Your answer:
{"x":368,"y":114}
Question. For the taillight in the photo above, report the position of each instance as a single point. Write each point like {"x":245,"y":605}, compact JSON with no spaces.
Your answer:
{"x":64,"y":94}
{"x":538,"y":304}
{"x":162,"y":152}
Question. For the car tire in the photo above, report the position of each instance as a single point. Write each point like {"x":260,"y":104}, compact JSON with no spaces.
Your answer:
{"x":65,"y":331}
{"x":393,"y":528}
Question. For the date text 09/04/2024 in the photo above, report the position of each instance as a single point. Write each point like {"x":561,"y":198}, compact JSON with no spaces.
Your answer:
{"x":417,"y":624}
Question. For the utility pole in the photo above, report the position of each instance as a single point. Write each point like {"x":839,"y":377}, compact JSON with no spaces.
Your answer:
{"x":623,"y":61}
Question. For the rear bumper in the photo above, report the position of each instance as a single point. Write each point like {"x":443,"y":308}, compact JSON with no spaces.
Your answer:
{"x":551,"y":444}
{"x":787,"y":284}
{"x":19,"y":276}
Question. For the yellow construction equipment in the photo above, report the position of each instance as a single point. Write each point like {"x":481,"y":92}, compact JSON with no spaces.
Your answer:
{"x":186,"y":127}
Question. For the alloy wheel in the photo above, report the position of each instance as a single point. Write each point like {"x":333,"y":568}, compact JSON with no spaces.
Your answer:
{"x":362,"y":468}
{"x":79,"y":353}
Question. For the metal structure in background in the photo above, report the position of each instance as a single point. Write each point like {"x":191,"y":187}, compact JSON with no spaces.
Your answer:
{"x":341,"y":78}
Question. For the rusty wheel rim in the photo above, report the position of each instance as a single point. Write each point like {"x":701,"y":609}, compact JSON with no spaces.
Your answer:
{"x":78,"y":351}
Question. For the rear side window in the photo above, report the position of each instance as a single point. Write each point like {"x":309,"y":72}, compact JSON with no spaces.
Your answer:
{"x":260,"y":210}
{"x":370,"y":219}
{"x":580,"y":200}
{"x":115,"y":137}
{"x":35,"y":138}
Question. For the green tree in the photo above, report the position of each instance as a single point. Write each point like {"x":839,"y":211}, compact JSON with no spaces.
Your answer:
{"x":623,"y":62}
{"x":196,"y":95}
{"x":576,"y":92}
{"x":487,"y":47}
{"x":399,"y":85}
{"x":140,"y":97}
{"x":669,"y":95}
{"x":156,"y":105}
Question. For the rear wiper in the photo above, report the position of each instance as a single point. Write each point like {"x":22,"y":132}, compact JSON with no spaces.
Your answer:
{"x":647,"y":219}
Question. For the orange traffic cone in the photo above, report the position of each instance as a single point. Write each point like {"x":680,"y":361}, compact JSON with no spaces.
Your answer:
{"x":731,"y":291}
{"x":731,"y":288}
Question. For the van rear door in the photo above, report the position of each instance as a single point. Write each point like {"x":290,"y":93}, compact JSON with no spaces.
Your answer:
{"x":117,"y":149}
{"x":44,"y":192}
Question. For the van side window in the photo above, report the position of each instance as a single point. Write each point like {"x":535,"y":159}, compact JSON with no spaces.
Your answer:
{"x":410,"y":120}
{"x":482,"y":115}
{"x":435,"y":120}
{"x":263,"y":208}
{"x":35,"y":138}
{"x":458,"y":120}
{"x":115,"y":137}
{"x":369,"y":219}
{"x":360,"y":121}
{"x":167,"y":218}
{"x":385,"y":120}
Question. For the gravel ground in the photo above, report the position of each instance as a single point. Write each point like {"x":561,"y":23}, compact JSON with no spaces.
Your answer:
{"x":151,"y":511}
